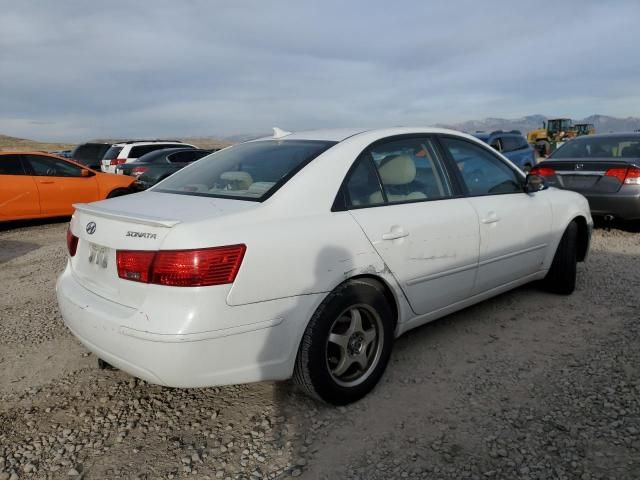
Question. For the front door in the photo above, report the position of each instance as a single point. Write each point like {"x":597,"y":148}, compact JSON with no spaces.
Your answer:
{"x":18,"y":192}
{"x":61,"y":184}
{"x":514,"y":226}
{"x":401,"y":196}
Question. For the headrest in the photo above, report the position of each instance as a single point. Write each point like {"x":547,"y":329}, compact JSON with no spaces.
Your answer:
{"x":398,"y":170}
{"x":243,"y":178}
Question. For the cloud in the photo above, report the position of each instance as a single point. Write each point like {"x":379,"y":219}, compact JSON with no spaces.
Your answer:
{"x":74,"y":70}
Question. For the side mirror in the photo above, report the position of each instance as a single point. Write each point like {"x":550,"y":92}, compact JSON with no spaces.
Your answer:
{"x":535,"y":183}
{"x":86,"y":173}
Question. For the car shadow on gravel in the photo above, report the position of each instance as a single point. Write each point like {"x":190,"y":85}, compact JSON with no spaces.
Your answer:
{"x":17,"y":224}
{"x":10,"y":249}
{"x":625,"y":226}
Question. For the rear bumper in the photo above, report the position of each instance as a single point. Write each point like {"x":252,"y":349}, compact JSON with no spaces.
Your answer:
{"x":264,"y":349}
{"x":624,"y":204}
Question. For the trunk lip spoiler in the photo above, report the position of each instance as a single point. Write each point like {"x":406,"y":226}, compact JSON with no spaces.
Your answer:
{"x":118,"y":215}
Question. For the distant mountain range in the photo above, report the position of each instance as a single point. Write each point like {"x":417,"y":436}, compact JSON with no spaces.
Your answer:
{"x":602,"y":123}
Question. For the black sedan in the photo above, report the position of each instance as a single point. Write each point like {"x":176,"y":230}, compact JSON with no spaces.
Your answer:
{"x":604,"y":168}
{"x":149,"y":169}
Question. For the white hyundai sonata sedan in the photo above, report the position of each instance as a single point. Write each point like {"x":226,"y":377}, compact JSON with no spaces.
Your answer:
{"x":304,"y":255}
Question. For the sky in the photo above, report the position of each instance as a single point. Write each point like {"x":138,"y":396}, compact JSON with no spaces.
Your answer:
{"x":76,"y":70}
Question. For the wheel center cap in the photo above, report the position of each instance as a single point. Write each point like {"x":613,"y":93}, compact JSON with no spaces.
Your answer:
{"x":356,"y":343}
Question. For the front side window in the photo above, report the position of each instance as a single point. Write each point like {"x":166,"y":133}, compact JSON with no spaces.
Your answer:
{"x":482,"y":172}
{"x":11,"y":165}
{"x":248,"y":171}
{"x":397,"y":171}
{"x":52,"y":167}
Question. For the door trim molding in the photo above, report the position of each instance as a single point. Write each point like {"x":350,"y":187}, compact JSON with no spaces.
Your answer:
{"x":512,"y":254}
{"x":433,"y":276}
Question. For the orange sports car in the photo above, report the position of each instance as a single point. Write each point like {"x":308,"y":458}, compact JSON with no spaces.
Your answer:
{"x":36,"y":185}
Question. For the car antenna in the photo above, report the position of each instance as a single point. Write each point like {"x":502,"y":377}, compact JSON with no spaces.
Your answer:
{"x":279,"y":133}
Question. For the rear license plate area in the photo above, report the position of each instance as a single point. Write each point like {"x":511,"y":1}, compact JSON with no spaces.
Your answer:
{"x":98,"y":255}
{"x":579,"y":182}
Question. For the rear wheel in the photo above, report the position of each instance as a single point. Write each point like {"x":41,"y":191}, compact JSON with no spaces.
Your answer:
{"x":561,"y":277}
{"x":543,"y":147}
{"x":118,"y":192}
{"x":346,"y":346}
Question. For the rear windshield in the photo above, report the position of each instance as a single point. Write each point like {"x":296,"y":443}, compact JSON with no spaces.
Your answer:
{"x":90,"y":151}
{"x":112,"y":153}
{"x":249,"y":171}
{"x":600,"y":147}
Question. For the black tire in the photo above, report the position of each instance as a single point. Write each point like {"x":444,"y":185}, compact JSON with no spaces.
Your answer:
{"x":118,"y":192}
{"x":544,"y":147}
{"x":561,"y":278}
{"x":313,"y":371}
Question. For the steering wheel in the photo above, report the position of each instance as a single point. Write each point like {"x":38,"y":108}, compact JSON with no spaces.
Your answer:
{"x":51,"y":171}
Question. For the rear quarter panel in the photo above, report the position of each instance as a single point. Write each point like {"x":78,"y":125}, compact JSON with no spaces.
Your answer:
{"x":108,"y":182}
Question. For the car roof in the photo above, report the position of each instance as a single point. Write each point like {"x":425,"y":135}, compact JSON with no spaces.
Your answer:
{"x":147,"y":142}
{"x":611,"y":135}
{"x":340,"y":134}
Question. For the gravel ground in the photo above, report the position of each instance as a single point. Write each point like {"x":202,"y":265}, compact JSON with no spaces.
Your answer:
{"x":527,"y":385}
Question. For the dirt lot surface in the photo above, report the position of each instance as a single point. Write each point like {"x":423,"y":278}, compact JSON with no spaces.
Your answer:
{"x":526,"y":385}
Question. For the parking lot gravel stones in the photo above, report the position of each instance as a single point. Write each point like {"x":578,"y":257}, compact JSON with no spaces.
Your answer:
{"x":527,"y":385}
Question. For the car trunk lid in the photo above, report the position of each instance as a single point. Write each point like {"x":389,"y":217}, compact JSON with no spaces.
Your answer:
{"x":132,"y":223}
{"x":587,"y":176}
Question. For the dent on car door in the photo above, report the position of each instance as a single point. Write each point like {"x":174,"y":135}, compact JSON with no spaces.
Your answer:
{"x":60,"y":184}
{"x":18,"y":192}
{"x":401,"y":196}
{"x":514,"y":226}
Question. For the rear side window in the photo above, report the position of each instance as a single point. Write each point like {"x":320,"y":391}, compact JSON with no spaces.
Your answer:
{"x":249,"y":171}
{"x":511,"y":143}
{"x":112,"y":153}
{"x":482,"y":172}
{"x":407,"y":170}
{"x":11,"y":165}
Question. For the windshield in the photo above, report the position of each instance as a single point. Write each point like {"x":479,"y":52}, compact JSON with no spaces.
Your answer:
{"x":248,"y":171}
{"x":600,"y":147}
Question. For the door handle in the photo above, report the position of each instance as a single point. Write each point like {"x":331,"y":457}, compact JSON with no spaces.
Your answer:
{"x":491,"y":217}
{"x":46,"y":182}
{"x":395,"y":234}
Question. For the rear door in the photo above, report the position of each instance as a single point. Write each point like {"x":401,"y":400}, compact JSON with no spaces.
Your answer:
{"x":18,"y":191}
{"x":60,"y":184}
{"x":401,"y":195}
{"x":515,"y":226}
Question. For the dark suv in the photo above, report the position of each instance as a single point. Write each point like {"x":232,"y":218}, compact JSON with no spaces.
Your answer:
{"x":512,"y":145}
{"x":90,"y":154}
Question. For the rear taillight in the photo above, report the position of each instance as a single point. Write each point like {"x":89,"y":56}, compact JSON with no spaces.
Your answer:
{"x":182,"y":268}
{"x":72,"y":243}
{"x":138,"y":170}
{"x":626,"y":175}
{"x":542,"y":171}
{"x":134,"y":265}
{"x":117,"y":161}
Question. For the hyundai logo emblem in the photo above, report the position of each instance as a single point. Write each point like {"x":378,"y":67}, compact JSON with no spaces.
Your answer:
{"x":91,"y":228}
{"x":579,"y":166}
